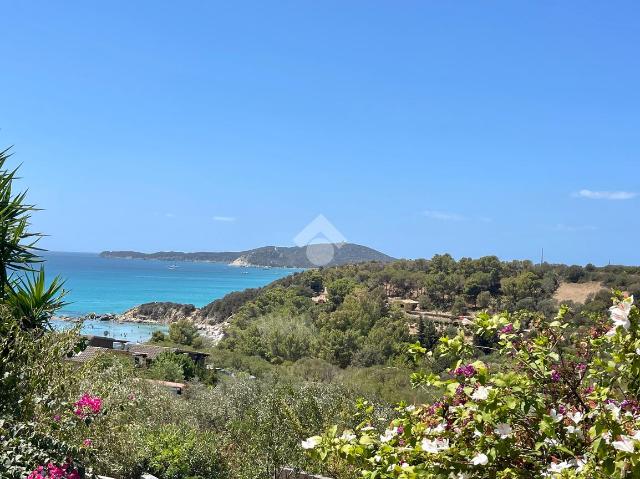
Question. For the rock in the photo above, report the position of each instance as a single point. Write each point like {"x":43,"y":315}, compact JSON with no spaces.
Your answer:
{"x":159,"y":312}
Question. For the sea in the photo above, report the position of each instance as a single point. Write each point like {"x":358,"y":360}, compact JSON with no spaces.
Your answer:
{"x":111,"y":285}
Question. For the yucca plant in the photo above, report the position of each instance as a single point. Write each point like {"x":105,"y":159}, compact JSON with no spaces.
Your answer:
{"x":30,"y":299}
{"x":22,"y":288}
{"x":18,"y":250}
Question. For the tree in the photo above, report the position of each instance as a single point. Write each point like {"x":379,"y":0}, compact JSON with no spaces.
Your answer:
{"x":339,"y":289}
{"x":459,"y":307}
{"x":483,"y":300}
{"x":158,"y":337}
{"x":427,"y":334}
{"x":183,"y":332}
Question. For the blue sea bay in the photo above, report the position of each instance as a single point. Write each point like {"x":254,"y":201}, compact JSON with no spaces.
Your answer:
{"x":105,"y":285}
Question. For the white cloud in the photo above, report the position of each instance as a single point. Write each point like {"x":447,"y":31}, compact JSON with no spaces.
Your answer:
{"x":606,"y":195}
{"x":226,"y":219}
{"x":169,"y":215}
{"x":443,"y":215}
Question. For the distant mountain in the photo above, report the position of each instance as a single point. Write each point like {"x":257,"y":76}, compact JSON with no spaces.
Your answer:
{"x":274,"y":256}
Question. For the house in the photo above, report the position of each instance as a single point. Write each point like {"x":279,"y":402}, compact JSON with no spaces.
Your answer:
{"x":91,"y":352}
{"x":409,"y":305}
{"x":105,"y":342}
{"x":143,"y":354}
{"x":321,"y":298}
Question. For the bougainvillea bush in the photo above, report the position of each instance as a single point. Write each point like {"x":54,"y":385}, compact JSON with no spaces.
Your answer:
{"x":566,"y":407}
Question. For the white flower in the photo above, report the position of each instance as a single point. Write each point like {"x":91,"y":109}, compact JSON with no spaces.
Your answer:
{"x":480,"y":394}
{"x":434,"y":446}
{"x":575,"y":430}
{"x":576,"y":417}
{"x":625,"y":444}
{"x":389,"y":434}
{"x":480,"y":460}
{"x":558,"y":466}
{"x":504,"y":430}
{"x":311,"y":442}
{"x":348,"y":436}
{"x":436,"y":430}
{"x":615,"y":410}
{"x":636,"y":435}
{"x":368,"y":428}
{"x":620,"y":313}
{"x":607,"y":437}
{"x":638,"y":351}
{"x":579,"y":463}
{"x":410,"y":408}
{"x":555,"y":416}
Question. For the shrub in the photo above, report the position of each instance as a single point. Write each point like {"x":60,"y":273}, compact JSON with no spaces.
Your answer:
{"x":174,"y":452}
{"x":158,"y":337}
{"x":566,"y":407}
{"x":183,"y":332}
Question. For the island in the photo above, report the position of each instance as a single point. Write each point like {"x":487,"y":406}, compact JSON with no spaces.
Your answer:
{"x":266,"y":256}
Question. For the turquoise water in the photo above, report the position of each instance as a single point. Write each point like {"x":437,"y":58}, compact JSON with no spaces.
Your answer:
{"x":101,"y":285}
{"x":137,"y":333}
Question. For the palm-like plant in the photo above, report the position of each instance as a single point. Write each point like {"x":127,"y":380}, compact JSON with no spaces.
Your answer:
{"x":28,"y":297}
{"x":17,"y":245}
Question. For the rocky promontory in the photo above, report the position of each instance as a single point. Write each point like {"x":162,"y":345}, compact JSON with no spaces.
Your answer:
{"x":160,"y":312}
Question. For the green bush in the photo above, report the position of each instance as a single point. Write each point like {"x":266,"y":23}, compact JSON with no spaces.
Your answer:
{"x":183,"y":332}
{"x":175,"y":452}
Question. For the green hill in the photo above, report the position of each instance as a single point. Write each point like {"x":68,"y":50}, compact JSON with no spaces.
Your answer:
{"x":273,"y":256}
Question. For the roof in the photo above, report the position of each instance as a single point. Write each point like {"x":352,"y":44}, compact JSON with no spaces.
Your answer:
{"x":152,"y":352}
{"x":167,"y":384}
{"x":405,"y":301}
{"x":89,"y":353}
{"x":105,"y":338}
{"x":148,"y":350}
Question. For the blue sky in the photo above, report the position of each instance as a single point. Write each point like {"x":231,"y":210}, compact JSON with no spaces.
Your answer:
{"x":414,"y":127}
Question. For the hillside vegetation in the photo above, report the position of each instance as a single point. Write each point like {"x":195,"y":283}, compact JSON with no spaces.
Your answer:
{"x":272,"y":256}
{"x":346,"y":315}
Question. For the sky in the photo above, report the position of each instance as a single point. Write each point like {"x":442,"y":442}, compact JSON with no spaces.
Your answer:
{"x":414,"y":127}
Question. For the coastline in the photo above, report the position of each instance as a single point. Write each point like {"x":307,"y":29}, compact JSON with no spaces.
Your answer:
{"x":212,"y":332}
{"x":108,"y":317}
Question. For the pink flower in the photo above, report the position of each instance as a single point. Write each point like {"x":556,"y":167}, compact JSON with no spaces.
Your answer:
{"x":87,"y":404}
{"x":508,"y":329}
{"x":555,"y":376}
{"x":53,"y":471}
{"x":466,"y":371}
{"x":56,"y":418}
{"x":87,"y":442}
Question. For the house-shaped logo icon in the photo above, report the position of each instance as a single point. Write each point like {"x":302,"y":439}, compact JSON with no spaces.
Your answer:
{"x":320,"y":238}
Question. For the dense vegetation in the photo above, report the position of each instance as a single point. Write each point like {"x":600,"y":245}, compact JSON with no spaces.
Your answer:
{"x":529,"y":394}
{"x":358,"y":326}
{"x":567,"y":406}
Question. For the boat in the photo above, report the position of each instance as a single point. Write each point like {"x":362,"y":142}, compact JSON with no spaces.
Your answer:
{"x":173,"y":266}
